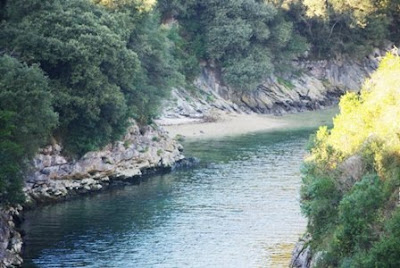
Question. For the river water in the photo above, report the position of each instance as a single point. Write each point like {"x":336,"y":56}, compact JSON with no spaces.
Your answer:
{"x":238,"y":208}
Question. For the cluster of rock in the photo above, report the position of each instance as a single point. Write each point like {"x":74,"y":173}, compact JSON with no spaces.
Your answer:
{"x":315,"y":85}
{"x":301,"y":254}
{"x":10,"y":238}
{"x":55,"y":177}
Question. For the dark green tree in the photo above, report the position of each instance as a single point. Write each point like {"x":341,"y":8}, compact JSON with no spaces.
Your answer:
{"x":92,"y":74}
{"x":337,"y":26}
{"x":26,"y":121}
{"x":242,"y":38}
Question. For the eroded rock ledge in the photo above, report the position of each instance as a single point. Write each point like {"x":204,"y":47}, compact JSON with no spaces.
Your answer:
{"x":55,"y":177}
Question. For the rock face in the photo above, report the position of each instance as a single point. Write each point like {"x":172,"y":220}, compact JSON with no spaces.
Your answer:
{"x":315,"y":84}
{"x":351,"y":171}
{"x":10,"y":238}
{"x":55,"y":177}
{"x":301,"y":254}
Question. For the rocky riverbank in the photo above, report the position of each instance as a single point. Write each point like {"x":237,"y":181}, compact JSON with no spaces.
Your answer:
{"x":55,"y":177}
{"x":10,"y":237}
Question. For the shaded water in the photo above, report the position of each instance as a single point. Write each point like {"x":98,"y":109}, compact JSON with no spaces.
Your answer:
{"x":239,"y":208}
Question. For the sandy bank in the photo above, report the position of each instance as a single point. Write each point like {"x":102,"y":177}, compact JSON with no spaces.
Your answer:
{"x":227,"y":124}
{"x":236,"y":124}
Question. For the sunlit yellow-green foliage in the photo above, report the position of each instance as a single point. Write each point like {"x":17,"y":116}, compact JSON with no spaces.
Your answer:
{"x":373,"y":116}
{"x":351,"y":180}
{"x":141,"y":5}
{"x":358,"y":10}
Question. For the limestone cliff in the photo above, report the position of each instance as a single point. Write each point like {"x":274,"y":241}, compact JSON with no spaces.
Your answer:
{"x":310,"y":85}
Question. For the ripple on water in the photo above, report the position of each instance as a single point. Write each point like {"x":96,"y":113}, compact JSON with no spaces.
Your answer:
{"x":240,"y":208}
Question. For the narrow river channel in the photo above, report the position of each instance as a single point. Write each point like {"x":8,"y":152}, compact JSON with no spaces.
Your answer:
{"x":238,"y":208}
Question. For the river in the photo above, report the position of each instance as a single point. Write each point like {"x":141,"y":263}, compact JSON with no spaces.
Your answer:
{"x":238,"y":208}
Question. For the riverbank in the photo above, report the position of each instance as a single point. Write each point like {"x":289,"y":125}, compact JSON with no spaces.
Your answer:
{"x":55,"y":177}
{"x":231,"y":124}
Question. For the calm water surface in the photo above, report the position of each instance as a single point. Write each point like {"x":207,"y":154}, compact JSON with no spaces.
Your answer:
{"x":238,"y":208}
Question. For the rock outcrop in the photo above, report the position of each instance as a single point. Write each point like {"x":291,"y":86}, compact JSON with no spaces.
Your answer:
{"x":54,"y":177}
{"x":314,"y":85}
{"x":301,"y":254}
{"x":10,"y":238}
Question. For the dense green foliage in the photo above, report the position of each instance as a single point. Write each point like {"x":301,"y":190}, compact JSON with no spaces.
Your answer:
{"x":93,"y":66}
{"x":351,"y":26}
{"x":87,"y":63}
{"x":26,"y":120}
{"x":242,"y":38}
{"x":354,"y":217}
{"x":91,"y":58}
{"x":247,"y":39}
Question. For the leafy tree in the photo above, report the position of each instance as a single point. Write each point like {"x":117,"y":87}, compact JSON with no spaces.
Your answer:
{"x":338,"y":26}
{"x":92,"y":73}
{"x":159,"y":69}
{"x":357,"y":215}
{"x":26,"y":121}
{"x":107,"y":61}
{"x":386,"y":252}
{"x":11,"y":155}
{"x":242,"y":37}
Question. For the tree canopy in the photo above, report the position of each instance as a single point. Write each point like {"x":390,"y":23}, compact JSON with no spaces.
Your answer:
{"x":338,"y":26}
{"x":242,"y":37}
{"x":91,"y":58}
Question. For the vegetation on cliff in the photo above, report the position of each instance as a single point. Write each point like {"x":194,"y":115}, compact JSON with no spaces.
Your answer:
{"x":242,"y":37}
{"x":95,"y":64}
{"x":351,"y":179}
{"x":247,"y":39}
